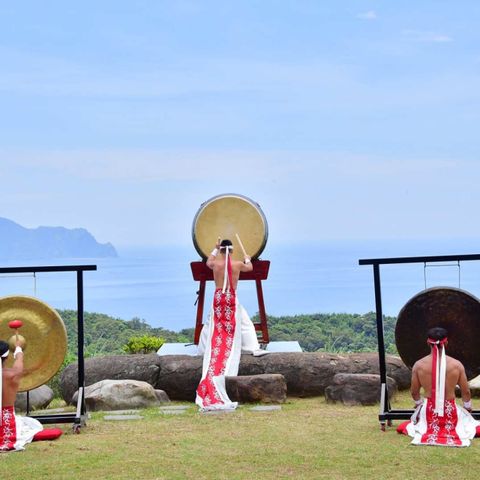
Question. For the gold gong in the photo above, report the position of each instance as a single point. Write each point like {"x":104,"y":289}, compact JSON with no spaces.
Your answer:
{"x":45,"y":337}
{"x":225,"y":216}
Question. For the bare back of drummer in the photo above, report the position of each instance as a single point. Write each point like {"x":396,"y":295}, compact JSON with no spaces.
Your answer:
{"x":11,"y":382}
{"x":455,"y":375}
{"x":217,"y":264}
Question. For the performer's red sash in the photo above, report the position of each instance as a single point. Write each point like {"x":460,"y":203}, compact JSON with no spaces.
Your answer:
{"x":8,"y":429}
{"x":441,"y":430}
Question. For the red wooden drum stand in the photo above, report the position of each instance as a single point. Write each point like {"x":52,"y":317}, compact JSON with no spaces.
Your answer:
{"x":203,"y":274}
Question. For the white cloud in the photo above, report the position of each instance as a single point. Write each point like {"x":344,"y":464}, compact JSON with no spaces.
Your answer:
{"x":303,"y":193}
{"x":426,"y":36}
{"x":137,"y":166}
{"x":374,"y":167}
{"x":370,"y":15}
{"x":22,"y":72}
{"x":286,"y":87}
{"x":152,"y":165}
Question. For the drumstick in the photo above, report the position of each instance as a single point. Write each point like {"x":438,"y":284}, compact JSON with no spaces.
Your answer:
{"x":241,"y":245}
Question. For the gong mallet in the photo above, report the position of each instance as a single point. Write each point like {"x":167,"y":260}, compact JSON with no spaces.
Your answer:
{"x":13,"y":340}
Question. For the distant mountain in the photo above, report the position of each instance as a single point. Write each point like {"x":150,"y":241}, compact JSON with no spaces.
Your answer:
{"x":20,"y":243}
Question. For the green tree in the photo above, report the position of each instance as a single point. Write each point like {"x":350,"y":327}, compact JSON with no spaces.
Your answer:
{"x":143,"y":344}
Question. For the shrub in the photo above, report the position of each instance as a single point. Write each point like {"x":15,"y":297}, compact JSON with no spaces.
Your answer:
{"x":143,"y":344}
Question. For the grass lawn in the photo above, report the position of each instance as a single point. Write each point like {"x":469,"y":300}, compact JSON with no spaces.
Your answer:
{"x":307,"y":439}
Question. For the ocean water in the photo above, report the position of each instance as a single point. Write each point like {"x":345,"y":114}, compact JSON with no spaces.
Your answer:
{"x":156,"y":284}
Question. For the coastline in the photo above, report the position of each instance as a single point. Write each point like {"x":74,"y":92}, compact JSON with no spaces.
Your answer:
{"x":156,"y":284}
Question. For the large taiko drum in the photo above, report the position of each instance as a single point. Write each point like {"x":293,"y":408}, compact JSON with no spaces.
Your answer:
{"x":226,"y":216}
{"x":451,"y":308}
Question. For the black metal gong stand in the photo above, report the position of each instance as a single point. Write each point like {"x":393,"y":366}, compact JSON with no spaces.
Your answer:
{"x":79,"y":417}
{"x":387,"y":414}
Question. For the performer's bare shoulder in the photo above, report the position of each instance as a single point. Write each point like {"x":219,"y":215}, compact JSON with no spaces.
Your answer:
{"x":11,"y":380}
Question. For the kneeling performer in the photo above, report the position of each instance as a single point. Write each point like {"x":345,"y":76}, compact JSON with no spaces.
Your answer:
{"x":15,"y":431}
{"x":437,"y":419}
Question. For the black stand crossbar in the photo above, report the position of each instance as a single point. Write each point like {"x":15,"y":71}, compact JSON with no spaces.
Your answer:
{"x":387,"y":414}
{"x":77,"y":418}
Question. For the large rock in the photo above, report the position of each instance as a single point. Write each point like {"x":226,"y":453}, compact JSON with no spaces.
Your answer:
{"x":162,"y":397}
{"x":115,"y":367}
{"x":37,"y":398}
{"x":119,"y":395}
{"x":266,"y":388}
{"x":357,"y":389}
{"x":306,"y":374}
{"x":180,"y":376}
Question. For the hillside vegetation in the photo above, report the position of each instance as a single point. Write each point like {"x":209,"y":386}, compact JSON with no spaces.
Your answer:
{"x":333,"y":332}
{"x":329,"y":332}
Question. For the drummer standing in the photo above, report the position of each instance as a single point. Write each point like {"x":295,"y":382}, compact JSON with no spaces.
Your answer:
{"x":228,"y":331}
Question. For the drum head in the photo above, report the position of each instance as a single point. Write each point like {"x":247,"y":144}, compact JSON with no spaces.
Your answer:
{"x":226,"y":215}
{"x":451,"y":308}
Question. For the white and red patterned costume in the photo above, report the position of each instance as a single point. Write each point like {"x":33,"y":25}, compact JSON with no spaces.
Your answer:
{"x":454,"y":429}
{"x":222,"y":353}
{"x":16,"y":431}
{"x":222,"y":347}
{"x":248,"y":334}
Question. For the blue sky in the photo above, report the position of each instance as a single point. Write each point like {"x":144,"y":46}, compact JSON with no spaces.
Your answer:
{"x":354,"y":119}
